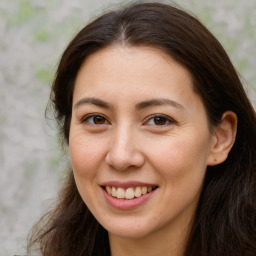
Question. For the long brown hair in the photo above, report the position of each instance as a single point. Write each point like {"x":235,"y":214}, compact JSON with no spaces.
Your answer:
{"x":225,"y":220}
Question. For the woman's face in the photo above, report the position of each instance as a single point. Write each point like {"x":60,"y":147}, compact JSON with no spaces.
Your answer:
{"x":139,"y":141}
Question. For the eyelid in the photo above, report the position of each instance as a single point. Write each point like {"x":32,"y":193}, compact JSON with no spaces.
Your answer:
{"x":85,"y":118}
{"x":170,"y":120}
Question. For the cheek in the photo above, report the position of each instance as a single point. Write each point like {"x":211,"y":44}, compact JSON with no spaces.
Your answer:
{"x":180,"y":157}
{"x":86,"y":155}
{"x":182,"y":166}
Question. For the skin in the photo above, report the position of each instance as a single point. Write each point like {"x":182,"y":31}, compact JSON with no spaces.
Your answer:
{"x":128,"y":144}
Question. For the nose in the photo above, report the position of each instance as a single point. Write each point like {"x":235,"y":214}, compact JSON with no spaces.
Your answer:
{"x":124,"y":150}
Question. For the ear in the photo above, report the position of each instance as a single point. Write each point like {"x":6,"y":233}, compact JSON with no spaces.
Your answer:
{"x":223,"y":139}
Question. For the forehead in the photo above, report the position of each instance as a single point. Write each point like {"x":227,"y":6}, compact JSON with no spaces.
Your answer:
{"x":143,"y":68}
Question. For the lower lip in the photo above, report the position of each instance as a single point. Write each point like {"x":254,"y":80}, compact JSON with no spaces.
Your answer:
{"x":127,"y":204}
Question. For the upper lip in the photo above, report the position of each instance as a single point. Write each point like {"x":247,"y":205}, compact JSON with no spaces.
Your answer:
{"x":127,"y":184}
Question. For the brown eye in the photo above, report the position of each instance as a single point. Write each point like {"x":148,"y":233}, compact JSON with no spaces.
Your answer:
{"x":160,"y":120}
{"x":95,"y":120}
{"x":99,"y":120}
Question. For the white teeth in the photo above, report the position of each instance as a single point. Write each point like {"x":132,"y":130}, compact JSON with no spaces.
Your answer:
{"x":109,"y":189}
{"x":120,"y":193}
{"x":129,"y":193}
{"x":137,"y":192}
{"x":113,"y":191}
{"x":144,"y":190}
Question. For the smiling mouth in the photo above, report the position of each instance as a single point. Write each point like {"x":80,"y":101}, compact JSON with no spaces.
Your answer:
{"x":129,"y":193}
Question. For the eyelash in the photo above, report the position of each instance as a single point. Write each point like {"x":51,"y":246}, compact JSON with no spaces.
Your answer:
{"x":93,"y":116}
{"x":166,"y":119}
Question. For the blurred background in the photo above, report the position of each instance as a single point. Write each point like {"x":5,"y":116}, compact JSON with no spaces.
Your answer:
{"x":33,"y":34}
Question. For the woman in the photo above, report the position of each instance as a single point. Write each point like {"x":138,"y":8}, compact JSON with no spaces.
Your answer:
{"x":162,"y":141}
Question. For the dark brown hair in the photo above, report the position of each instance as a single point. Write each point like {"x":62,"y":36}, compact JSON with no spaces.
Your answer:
{"x":225,"y":220}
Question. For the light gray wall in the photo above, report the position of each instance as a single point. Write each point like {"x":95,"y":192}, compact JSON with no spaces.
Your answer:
{"x":33,"y":34}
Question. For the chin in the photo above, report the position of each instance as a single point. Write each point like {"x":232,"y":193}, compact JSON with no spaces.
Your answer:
{"x":129,"y":233}
{"x":134,"y":229}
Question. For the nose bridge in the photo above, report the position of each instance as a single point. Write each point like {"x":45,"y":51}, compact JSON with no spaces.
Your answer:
{"x":122,"y":137}
{"x":123,"y":148}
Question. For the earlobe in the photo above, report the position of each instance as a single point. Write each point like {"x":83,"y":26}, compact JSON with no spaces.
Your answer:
{"x":223,"y":138}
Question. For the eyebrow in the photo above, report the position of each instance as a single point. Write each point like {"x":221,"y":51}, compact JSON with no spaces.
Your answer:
{"x":138,"y":106}
{"x":94,"y":101}
{"x":158,"y":102}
